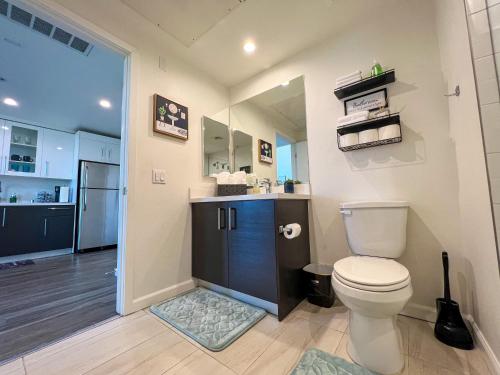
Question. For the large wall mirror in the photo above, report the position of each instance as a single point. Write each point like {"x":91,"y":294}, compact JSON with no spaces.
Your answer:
{"x":266,"y":135}
{"x":215,"y":147}
{"x":278,"y":118}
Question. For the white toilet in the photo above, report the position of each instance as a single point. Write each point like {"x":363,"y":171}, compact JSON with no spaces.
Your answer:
{"x":372,"y":284}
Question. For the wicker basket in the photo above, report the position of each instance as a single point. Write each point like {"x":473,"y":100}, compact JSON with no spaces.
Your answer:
{"x":225,"y":190}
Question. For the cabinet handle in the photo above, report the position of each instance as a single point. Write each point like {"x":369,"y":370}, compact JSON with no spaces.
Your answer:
{"x":46,"y":168}
{"x":232,"y":218}
{"x":59,"y":208}
{"x":109,"y":154}
{"x":102,"y":152}
{"x":221,"y":218}
{"x":4,"y":216}
{"x":45,"y":227}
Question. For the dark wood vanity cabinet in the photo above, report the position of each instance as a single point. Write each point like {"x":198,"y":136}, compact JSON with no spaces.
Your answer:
{"x":30,"y":229}
{"x":237,"y":245}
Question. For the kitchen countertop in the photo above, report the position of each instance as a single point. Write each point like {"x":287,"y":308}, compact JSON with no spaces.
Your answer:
{"x":36,"y":204}
{"x":250,"y":197}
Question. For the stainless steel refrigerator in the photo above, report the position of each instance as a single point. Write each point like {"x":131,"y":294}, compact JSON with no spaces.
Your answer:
{"x":98,"y":189}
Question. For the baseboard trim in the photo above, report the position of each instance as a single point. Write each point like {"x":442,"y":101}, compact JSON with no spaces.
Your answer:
{"x":162,"y":294}
{"x":422,"y":312}
{"x":494,"y":363}
{"x":39,"y":255}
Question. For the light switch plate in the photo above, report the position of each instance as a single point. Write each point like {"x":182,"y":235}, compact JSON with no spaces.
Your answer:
{"x":159,"y":176}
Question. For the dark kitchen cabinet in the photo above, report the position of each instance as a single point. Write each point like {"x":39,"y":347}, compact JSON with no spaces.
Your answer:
{"x":238,"y":245}
{"x":30,"y":229}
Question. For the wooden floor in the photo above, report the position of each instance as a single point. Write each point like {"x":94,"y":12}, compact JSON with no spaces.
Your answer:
{"x":54,"y":298}
{"x":143,"y":344}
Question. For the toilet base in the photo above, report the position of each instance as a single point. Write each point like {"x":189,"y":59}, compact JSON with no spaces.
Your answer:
{"x":375,"y":343}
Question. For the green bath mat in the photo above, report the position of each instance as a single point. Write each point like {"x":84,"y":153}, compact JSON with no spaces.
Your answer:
{"x":209,"y":318}
{"x":316,"y":362}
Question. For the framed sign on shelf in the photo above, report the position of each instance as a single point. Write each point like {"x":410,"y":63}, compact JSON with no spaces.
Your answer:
{"x":368,"y":102}
{"x":170,"y":118}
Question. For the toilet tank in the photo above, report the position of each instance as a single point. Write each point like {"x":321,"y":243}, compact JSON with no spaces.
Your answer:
{"x":376,"y":228}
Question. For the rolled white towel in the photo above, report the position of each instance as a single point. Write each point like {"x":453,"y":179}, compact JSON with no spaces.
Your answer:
{"x":349,"y":76}
{"x":222,"y":178}
{"x":348,"y":82}
{"x":369,"y":135}
{"x":350,"y":139}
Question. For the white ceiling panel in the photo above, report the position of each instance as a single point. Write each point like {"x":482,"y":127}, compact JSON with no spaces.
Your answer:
{"x":185,"y":20}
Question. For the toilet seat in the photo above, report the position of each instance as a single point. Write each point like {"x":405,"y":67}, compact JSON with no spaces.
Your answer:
{"x":371,"y":273}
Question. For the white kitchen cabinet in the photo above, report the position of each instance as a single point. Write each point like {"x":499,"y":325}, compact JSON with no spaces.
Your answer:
{"x":3,"y":127}
{"x":57,"y":154}
{"x":94,"y":147}
{"x":113,"y":152}
{"x":22,"y":149}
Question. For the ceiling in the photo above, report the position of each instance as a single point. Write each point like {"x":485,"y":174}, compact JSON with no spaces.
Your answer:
{"x":280,"y":29}
{"x":55,"y":85}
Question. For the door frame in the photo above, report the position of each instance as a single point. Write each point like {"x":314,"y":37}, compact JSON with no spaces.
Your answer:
{"x":124,"y":274}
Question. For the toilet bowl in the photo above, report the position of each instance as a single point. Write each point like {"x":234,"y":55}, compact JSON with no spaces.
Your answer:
{"x":372,"y":285}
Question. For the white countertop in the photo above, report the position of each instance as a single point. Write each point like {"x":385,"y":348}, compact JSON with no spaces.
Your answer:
{"x":36,"y":204}
{"x":250,"y":197}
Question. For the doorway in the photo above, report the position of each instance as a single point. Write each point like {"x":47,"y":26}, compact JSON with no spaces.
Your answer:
{"x":52,"y":119}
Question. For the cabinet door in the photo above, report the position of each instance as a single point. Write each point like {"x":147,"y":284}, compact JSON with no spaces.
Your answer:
{"x":22,"y":148}
{"x":252,"y":254}
{"x":20,"y":230}
{"x":57,"y":154}
{"x":210,"y":242}
{"x":57,"y":228}
{"x":92,"y":150}
{"x":3,"y":158}
{"x":113,"y":153}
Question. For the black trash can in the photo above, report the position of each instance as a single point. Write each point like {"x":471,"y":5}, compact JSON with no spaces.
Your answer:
{"x":319,"y":284}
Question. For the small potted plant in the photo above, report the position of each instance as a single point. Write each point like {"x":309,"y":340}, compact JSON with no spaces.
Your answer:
{"x":288,"y":186}
{"x":162,"y":112}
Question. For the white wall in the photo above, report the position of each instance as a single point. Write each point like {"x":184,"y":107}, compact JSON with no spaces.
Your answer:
{"x":158,"y":244}
{"x":477,"y":268}
{"x":421,"y":170}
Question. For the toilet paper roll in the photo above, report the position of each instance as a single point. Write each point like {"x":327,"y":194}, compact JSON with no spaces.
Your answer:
{"x":349,"y":139}
{"x":292,"y":230}
{"x":389,"y":131}
{"x":370,"y":135}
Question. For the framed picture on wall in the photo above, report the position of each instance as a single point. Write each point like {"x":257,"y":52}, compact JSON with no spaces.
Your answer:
{"x":170,"y":118}
{"x":368,"y":102}
{"x":265,"y":152}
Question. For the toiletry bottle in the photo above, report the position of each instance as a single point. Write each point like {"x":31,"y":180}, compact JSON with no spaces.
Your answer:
{"x":376,"y":69}
{"x":13,"y":198}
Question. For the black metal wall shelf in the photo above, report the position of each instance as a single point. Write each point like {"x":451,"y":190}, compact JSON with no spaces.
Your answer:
{"x":366,"y":84}
{"x":376,"y":123}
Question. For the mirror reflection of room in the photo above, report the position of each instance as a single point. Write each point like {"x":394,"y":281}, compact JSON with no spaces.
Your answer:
{"x":277,"y":117}
{"x":215,"y":147}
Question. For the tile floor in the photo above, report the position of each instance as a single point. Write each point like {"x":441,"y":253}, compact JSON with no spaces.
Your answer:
{"x":142,"y":344}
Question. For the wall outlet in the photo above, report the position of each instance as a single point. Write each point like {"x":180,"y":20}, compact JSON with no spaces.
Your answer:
{"x":159,"y":176}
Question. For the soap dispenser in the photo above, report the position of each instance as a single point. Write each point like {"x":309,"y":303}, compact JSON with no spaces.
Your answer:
{"x":376,"y":69}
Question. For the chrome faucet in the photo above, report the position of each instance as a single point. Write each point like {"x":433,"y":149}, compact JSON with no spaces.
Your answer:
{"x":266,"y":182}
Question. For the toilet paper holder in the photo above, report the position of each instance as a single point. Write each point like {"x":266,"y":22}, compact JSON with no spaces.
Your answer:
{"x":281,"y":229}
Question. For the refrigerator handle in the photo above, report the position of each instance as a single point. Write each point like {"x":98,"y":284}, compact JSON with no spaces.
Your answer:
{"x":85,"y":200}
{"x":86,"y":176}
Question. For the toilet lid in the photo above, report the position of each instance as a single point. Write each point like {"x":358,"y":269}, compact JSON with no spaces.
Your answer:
{"x":372,"y":271}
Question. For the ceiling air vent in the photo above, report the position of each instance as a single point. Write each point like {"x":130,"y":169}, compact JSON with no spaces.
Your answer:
{"x":20,"y":15}
{"x":3,"y":7}
{"x":62,"y":36}
{"x":42,"y":26}
{"x":79,"y":44}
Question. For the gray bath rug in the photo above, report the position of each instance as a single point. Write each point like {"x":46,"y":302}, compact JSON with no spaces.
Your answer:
{"x":209,"y":318}
{"x":316,"y":362}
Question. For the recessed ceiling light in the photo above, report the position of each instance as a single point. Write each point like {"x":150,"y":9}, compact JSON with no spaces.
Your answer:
{"x":11,"y":102}
{"x":105,"y":103}
{"x":59,"y":148}
{"x":249,"y":47}
{"x":284,"y":84}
